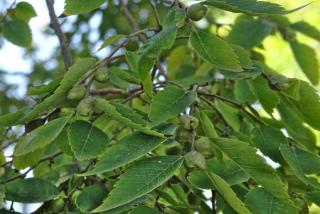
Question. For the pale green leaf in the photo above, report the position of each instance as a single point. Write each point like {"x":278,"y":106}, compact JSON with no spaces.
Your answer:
{"x":140,"y":179}
{"x":73,"y":7}
{"x":230,"y":115}
{"x":128,"y":149}
{"x":260,"y":201}
{"x":228,"y":194}
{"x":86,"y":140}
{"x":243,"y":56}
{"x":30,"y":190}
{"x":18,"y":32}
{"x":307,"y":29}
{"x":23,"y":11}
{"x":40,"y":137}
{"x":306,"y":57}
{"x":214,"y":50}
{"x":47,"y":88}
{"x":13,"y":118}
{"x":169,"y":103}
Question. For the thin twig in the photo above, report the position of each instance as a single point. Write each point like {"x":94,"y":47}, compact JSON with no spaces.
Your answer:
{"x":32,"y":167}
{"x":156,"y":14}
{"x":62,"y":38}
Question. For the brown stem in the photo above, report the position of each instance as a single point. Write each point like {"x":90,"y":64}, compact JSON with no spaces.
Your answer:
{"x":62,"y":38}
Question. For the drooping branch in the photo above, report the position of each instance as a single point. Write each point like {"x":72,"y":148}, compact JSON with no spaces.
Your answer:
{"x":67,"y":58}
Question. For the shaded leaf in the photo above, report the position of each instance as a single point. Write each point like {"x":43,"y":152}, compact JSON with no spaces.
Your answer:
{"x":30,"y":190}
{"x":90,"y":197}
{"x":110,"y":40}
{"x":307,"y":29}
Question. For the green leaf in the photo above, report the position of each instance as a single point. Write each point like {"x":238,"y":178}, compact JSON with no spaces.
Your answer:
{"x":70,"y":78}
{"x":268,"y":140}
{"x":140,"y":179}
{"x":214,"y":50}
{"x":40,"y":137}
{"x":302,"y":167}
{"x":27,"y":160}
{"x":30,"y":190}
{"x":226,"y":169}
{"x":314,"y":196}
{"x":244,"y":57}
{"x":110,"y":40}
{"x":23,"y":11}
{"x":18,"y":32}
{"x":228,"y":194}
{"x":307,"y":29}
{"x":245,"y":156}
{"x":47,"y":88}
{"x":239,"y":36}
{"x":169,"y":102}
{"x":90,"y":197}
{"x":13,"y":118}
{"x":73,"y":7}
{"x":230,"y":115}
{"x":252,"y":7}
{"x":86,"y":140}
{"x":306,"y":57}
{"x":268,"y":98}
{"x":260,"y":201}
{"x":152,"y":48}
{"x":242,"y":91}
{"x":294,"y":124}
{"x":120,"y":115}
{"x":207,"y":126}
{"x":309,"y":105}
{"x":128,"y":149}
{"x":144,"y":209}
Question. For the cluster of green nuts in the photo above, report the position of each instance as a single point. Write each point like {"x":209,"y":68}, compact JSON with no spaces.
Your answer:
{"x":196,"y":12}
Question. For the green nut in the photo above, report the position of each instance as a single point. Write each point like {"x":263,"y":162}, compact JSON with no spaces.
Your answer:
{"x":77,"y":92}
{"x":85,"y":107}
{"x":195,"y":159}
{"x":203,"y":145}
{"x":196,"y":12}
{"x":101,"y":75}
{"x":189,"y":122}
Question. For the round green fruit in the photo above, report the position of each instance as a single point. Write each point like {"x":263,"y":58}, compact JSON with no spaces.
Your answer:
{"x":196,"y":12}
{"x":101,"y":75}
{"x":77,"y":92}
{"x":85,"y":107}
{"x":189,"y":122}
{"x":203,"y":145}
{"x":195,"y":159}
